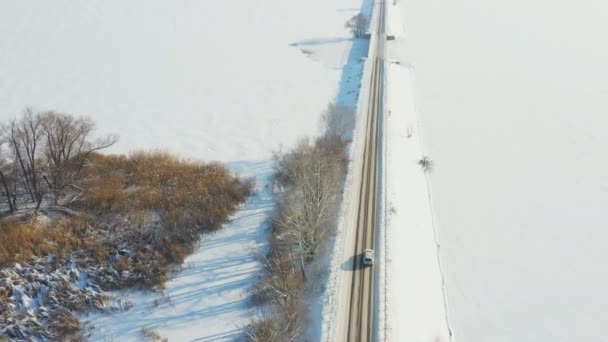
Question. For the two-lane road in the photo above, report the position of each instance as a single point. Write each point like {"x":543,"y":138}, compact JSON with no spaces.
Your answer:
{"x":361,"y":307}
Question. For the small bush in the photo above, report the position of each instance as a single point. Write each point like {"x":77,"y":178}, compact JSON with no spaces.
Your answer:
{"x":426,"y":164}
{"x":66,"y":326}
{"x":152,"y":335}
{"x":266,"y":329}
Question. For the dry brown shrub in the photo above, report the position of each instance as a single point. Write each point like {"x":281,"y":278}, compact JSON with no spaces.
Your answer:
{"x":184,"y":192}
{"x":23,"y":241}
{"x":64,"y":236}
{"x":3,"y":293}
{"x":267,"y":329}
{"x":152,"y":335}
{"x":122,"y":264}
{"x":189,"y":197}
{"x":66,"y":326}
{"x":19,"y":241}
{"x":149,"y":197}
{"x":126,"y":196}
{"x":108,"y":194}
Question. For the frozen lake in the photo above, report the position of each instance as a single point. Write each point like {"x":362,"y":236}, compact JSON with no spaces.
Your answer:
{"x":227,"y":80}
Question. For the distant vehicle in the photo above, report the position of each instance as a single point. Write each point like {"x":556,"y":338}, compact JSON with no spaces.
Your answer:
{"x":368,"y":257}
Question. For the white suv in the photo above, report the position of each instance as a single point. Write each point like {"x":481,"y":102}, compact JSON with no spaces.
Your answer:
{"x":368,"y":257}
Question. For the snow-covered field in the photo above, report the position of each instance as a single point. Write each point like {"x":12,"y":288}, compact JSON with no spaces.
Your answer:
{"x":512,"y":99}
{"x":226,"y":80}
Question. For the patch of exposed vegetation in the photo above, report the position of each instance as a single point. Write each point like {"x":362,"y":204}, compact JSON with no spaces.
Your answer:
{"x":152,"y":336}
{"x":78,"y":223}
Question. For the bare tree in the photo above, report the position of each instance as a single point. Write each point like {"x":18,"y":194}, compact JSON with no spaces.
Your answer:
{"x":426,"y":164}
{"x":7,"y":192}
{"x":282,"y":286}
{"x":25,"y":138}
{"x":68,"y":146}
{"x":8,"y":179}
{"x":50,"y":147}
{"x":357,"y":25}
{"x":265,"y":329}
{"x":338,"y":121}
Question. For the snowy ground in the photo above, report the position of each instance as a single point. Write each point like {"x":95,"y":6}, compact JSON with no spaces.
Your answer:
{"x":512,"y":98}
{"x":226,"y":80}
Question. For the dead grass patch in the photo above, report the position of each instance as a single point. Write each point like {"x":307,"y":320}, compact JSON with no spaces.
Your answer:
{"x":151,"y":335}
{"x":154,"y":203}
{"x":65,"y":325}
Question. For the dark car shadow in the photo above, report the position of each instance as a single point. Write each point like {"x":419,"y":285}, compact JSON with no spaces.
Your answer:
{"x":354,"y":263}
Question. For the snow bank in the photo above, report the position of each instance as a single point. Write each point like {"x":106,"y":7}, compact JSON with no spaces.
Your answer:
{"x":414,"y":285}
{"x":413,"y":307}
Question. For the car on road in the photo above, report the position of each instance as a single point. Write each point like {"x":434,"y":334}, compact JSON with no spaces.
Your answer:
{"x":368,"y":257}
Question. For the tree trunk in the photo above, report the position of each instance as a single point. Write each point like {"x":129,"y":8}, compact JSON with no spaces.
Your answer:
{"x":27,"y":180}
{"x":38,"y":201}
{"x":8,"y":193}
{"x":302,"y":262}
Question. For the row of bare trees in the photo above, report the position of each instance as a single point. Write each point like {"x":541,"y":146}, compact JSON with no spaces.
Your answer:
{"x":311,"y":177}
{"x":309,"y":182}
{"x":311,"y":173}
{"x":43,"y":155}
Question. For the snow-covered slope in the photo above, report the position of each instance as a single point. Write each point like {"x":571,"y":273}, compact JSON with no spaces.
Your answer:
{"x":225,"y":80}
{"x":512,"y":99}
